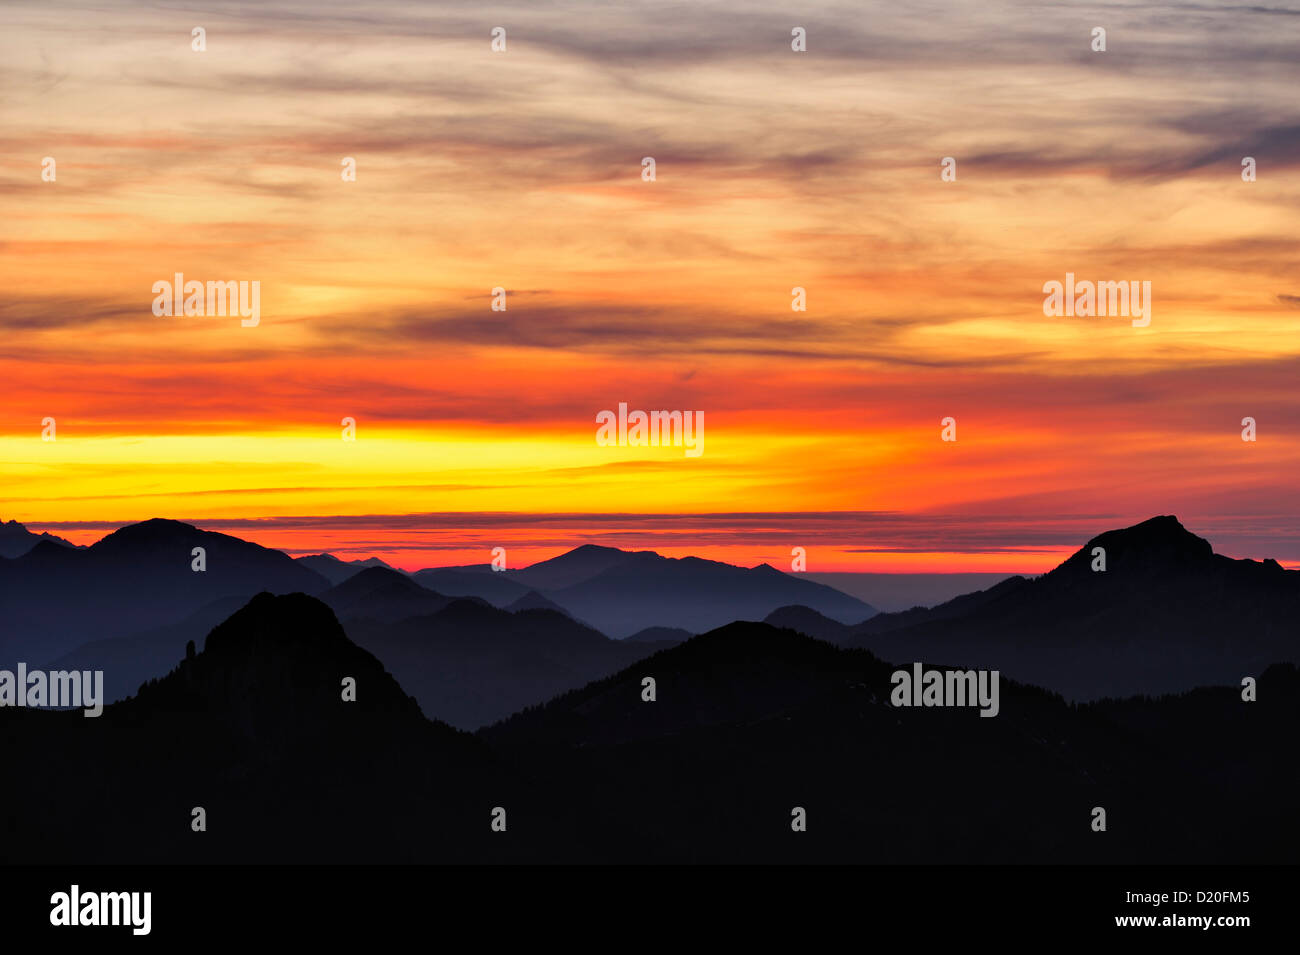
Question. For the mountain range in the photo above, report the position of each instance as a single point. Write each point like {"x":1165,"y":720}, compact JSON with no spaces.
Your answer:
{"x":1165,"y":615}
{"x":1162,"y":614}
{"x":55,"y":598}
{"x":336,"y":571}
{"x":16,"y":540}
{"x":621,"y":592}
{"x":129,"y":603}
{"x":750,"y":724}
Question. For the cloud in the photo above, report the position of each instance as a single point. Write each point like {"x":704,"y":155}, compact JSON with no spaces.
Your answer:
{"x":20,"y":314}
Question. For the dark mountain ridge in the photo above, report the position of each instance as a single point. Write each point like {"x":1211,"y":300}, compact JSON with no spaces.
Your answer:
{"x":1166,"y":614}
{"x":254,"y":729}
{"x":748,"y":722}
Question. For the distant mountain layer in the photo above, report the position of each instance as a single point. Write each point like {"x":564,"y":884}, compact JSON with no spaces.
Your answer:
{"x":16,"y":540}
{"x":127,"y":662}
{"x":622,"y":592}
{"x":535,"y":601}
{"x":381,"y":593}
{"x":336,"y":571}
{"x":140,"y":577}
{"x":497,"y":589}
{"x":665,"y":635}
{"x":471,"y":664}
{"x":894,"y":592}
{"x":808,"y":621}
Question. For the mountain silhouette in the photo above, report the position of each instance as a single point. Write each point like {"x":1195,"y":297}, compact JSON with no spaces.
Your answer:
{"x":1167,"y":614}
{"x":334,"y":570}
{"x":127,"y":662}
{"x":663,"y":635}
{"x":471,"y":664}
{"x":750,"y":721}
{"x":623,"y":592}
{"x":273,"y":671}
{"x":254,"y":729}
{"x":809,"y":621}
{"x":16,"y":540}
{"x":482,"y":582}
{"x":640,"y":589}
{"x":535,"y":601}
{"x":575,"y":566}
{"x":137,"y":578}
{"x":381,"y":593}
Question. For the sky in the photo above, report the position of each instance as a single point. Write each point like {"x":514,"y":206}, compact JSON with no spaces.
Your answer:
{"x":774,"y":169}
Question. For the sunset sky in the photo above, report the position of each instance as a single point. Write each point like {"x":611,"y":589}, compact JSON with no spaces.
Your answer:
{"x":774,"y":169}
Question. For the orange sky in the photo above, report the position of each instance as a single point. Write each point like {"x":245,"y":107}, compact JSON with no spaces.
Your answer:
{"x":775,"y":169}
